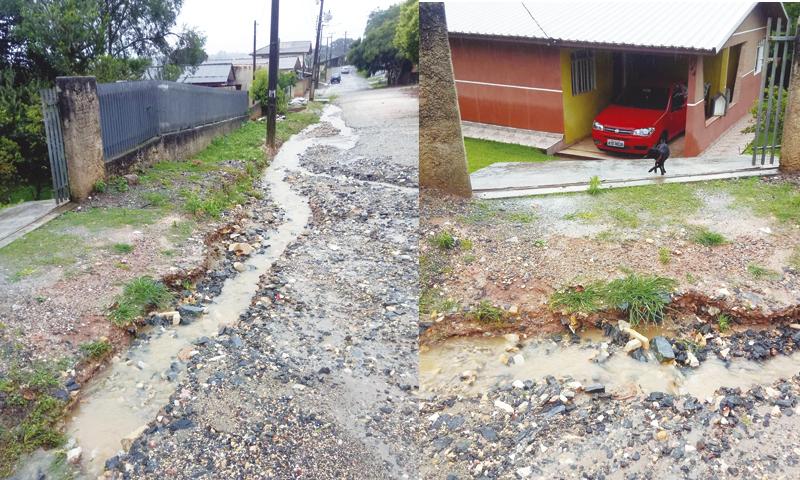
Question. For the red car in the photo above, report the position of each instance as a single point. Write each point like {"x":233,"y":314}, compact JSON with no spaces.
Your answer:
{"x":639,"y":118}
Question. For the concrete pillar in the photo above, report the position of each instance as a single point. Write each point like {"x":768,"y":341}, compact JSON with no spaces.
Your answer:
{"x":790,"y":144}
{"x":80,"y":125}
{"x":442,"y":159}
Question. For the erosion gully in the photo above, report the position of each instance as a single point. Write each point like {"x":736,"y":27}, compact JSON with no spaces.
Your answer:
{"x":128,"y":394}
{"x":473,"y":365}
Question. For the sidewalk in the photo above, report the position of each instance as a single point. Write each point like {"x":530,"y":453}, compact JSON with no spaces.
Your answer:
{"x":505,"y":180}
{"x":20,"y":219}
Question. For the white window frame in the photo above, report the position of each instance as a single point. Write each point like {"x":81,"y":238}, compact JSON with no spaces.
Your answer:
{"x":760,"y":56}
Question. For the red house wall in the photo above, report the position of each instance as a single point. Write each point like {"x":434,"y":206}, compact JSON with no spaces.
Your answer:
{"x":510,"y":84}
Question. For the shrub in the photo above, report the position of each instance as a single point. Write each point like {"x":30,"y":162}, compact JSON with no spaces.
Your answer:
{"x":708,"y":238}
{"x":642,"y":296}
{"x":259,"y":92}
{"x":594,"y":185}
{"x":444,"y":240}
{"x":485,"y":312}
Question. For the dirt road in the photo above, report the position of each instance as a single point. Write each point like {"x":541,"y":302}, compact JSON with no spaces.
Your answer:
{"x":317,"y":379}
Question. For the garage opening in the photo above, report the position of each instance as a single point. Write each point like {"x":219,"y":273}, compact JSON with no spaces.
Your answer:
{"x":633,"y":91}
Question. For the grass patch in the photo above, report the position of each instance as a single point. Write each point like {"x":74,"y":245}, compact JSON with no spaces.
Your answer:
{"x":96,"y":219}
{"x":431,"y":269}
{"x":485,"y":312}
{"x":629,"y":207}
{"x":583,"y":299}
{"x":644,"y":297}
{"x":759,"y":273}
{"x":96,"y":349}
{"x":31,"y":413}
{"x":139,"y":295}
{"x":444,"y":240}
{"x":794,"y":259}
{"x":155,"y":199}
{"x":708,"y":238}
{"x":521,"y":217}
{"x":479,"y":211}
{"x":664,"y":255}
{"x":594,"y":185}
{"x":584,"y":216}
{"x":122,"y":248}
{"x":723,"y":322}
{"x":767,"y":199}
{"x":482,"y":153}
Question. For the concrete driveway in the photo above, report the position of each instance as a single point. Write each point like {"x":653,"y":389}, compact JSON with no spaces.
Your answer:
{"x":505,"y":180}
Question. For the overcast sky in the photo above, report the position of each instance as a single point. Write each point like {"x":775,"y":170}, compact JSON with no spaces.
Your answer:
{"x":228,"y":24}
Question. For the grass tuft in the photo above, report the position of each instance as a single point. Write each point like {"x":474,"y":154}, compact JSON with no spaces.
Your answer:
{"x":758,"y":272}
{"x":96,"y":349}
{"x":642,"y":296}
{"x":664,"y":255}
{"x":137,"y":296}
{"x":723,"y":322}
{"x":122,"y":248}
{"x":708,"y":238}
{"x":583,"y":299}
{"x":485,"y":312}
{"x":444,"y":240}
{"x":594,"y":185}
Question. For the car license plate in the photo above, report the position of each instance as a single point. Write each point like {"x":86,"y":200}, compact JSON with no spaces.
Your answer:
{"x":615,"y":143}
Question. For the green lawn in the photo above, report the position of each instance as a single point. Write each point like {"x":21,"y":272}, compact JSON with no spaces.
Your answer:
{"x":482,"y":153}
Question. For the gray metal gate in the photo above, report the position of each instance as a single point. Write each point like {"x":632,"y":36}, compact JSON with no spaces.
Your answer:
{"x":769,"y":119}
{"x":55,"y":145}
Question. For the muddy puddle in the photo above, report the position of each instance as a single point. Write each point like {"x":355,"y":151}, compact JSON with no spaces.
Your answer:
{"x":128,"y":394}
{"x":443,"y":367}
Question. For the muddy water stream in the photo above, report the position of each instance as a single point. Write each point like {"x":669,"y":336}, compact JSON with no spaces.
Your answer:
{"x":441,"y":368}
{"x":130,"y":392}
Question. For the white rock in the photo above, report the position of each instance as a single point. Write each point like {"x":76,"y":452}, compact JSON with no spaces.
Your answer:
{"x":503,"y":406}
{"x":724,"y":352}
{"x":692,"y":360}
{"x":766,"y":230}
{"x":518,"y":359}
{"x":518,"y":384}
{"x":74,"y":455}
{"x":239,"y":266}
{"x":524,"y":472}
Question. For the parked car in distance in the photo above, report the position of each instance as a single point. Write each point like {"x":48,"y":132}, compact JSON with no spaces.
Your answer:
{"x":345,"y":69}
{"x":640,"y":118}
{"x":336,"y":78}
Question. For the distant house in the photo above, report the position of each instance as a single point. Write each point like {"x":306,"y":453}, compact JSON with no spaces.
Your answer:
{"x":218,"y":74}
{"x":552,"y":67}
{"x":235,"y":73}
{"x":296,"y":49}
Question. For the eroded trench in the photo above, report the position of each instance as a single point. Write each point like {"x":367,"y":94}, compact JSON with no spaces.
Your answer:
{"x":123,"y":398}
{"x":759,"y":349}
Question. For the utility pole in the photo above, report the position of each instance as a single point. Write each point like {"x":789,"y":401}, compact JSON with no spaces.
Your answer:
{"x":328,"y":61}
{"x":272,"y":83}
{"x":315,"y":67}
{"x":254,"y":50}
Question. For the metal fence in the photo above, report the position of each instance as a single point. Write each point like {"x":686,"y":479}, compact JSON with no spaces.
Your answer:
{"x":131,"y":113}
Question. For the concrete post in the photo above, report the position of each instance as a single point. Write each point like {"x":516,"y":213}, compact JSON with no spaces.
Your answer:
{"x":442,"y":159}
{"x":790,"y":144}
{"x":79,"y":108}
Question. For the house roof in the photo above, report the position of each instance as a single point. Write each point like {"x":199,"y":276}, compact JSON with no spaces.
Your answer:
{"x":298,"y":47}
{"x":678,"y":26}
{"x":208,"y":73}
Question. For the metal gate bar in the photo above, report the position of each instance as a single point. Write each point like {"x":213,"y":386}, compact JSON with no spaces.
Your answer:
{"x":771,"y":119}
{"x":55,"y":145}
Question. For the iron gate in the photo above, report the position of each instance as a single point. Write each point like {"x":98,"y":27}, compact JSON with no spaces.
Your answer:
{"x":778,"y":48}
{"x":55,"y":145}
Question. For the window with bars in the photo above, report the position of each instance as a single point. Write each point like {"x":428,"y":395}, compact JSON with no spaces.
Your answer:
{"x":583,"y":72}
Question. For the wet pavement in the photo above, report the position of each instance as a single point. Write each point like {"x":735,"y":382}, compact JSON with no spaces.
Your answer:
{"x":506,"y":180}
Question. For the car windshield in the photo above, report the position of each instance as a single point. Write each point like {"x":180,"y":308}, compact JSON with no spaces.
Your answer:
{"x":651,"y":98}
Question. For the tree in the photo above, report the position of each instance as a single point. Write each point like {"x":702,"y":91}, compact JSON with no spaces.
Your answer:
{"x":377,"y":51}
{"x":138,"y":27}
{"x":406,"y":38}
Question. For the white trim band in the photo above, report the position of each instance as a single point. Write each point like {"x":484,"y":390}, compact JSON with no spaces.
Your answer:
{"x":487,"y":84}
{"x":695,"y":103}
{"x":748,"y":31}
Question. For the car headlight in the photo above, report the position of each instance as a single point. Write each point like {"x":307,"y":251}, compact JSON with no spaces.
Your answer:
{"x":644,"y":132}
{"x":597,"y":126}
